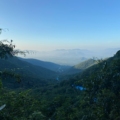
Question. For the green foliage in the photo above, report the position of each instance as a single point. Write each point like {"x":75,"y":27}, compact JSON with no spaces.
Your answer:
{"x":7,"y":49}
{"x":37,"y":116}
{"x":86,"y":64}
{"x":1,"y":84}
{"x":19,"y":105}
{"x":102,"y":91}
{"x":100,"y":99}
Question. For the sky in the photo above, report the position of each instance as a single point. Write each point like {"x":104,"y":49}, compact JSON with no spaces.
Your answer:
{"x":45,"y":25}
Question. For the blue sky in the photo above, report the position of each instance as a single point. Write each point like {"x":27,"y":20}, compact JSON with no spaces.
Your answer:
{"x":61,"y":24}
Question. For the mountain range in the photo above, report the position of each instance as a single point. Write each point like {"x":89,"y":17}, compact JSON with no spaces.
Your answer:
{"x":71,"y":57}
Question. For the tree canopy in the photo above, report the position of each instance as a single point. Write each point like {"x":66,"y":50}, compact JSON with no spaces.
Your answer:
{"x":7,"y":49}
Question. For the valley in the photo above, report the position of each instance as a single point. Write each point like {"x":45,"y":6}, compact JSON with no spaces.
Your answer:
{"x":56,"y":90}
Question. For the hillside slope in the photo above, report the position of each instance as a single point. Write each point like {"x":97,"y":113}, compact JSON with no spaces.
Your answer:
{"x":27,"y":71}
{"x":86,"y":64}
{"x":47,"y":65}
{"x":101,"y":84}
{"x":81,"y":66}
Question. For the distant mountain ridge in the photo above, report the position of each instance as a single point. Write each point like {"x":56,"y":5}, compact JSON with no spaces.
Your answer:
{"x":68,"y":57}
{"x":44,"y":64}
{"x":71,"y":56}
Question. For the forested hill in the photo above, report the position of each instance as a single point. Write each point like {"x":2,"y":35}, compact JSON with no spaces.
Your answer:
{"x":47,"y":65}
{"x":78,"y":68}
{"x":86,"y":64}
{"x":93,"y":94}
{"x":101,"y":83}
{"x":28,"y":72}
{"x":98,"y":65}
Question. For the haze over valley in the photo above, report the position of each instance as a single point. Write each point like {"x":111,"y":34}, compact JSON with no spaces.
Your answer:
{"x":71,"y":56}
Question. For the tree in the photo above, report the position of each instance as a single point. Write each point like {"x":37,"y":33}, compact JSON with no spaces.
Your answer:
{"x":7,"y":49}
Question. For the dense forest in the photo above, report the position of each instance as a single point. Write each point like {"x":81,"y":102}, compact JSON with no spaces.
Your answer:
{"x":91,"y":94}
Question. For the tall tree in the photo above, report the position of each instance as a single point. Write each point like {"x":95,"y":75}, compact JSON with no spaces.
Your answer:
{"x":7,"y":49}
